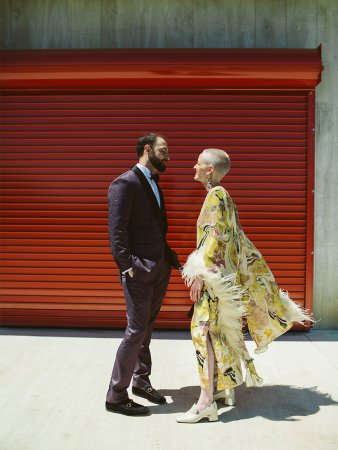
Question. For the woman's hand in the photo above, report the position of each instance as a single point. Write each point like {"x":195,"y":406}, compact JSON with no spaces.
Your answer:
{"x":196,"y":289}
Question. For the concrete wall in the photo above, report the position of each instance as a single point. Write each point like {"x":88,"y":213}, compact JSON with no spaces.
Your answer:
{"x":211,"y":23}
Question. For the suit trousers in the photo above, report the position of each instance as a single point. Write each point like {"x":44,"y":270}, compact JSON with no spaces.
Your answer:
{"x":143,"y":303}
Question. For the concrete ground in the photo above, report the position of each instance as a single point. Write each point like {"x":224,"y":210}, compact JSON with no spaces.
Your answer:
{"x":53,"y":385}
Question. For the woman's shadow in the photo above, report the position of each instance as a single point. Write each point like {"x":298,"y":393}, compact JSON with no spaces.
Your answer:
{"x":273,"y":402}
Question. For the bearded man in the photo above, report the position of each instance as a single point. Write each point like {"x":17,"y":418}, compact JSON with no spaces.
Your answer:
{"x":137,"y":232}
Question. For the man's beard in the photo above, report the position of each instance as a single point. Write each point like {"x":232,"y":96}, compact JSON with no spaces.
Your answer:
{"x":157,"y":163}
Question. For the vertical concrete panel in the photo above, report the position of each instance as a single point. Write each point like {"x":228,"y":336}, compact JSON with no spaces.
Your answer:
{"x":270,"y":23}
{"x":24,"y":23}
{"x":209,"y":23}
{"x":5,"y":25}
{"x":86,"y":24}
{"x":112,"y":24}
{"x":240,"y":24}
{"x":179,"y":24}
{"x":301,"y":24}
{"x":326,"y":204}
{"x":132,"y":24}
{"x":56,"y":23}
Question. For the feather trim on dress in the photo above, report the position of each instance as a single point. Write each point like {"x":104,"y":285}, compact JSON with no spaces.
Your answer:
{"x":231,"y":307}
{"x":292,"y":311}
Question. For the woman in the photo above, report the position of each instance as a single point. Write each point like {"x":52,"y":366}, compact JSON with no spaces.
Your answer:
{"x":229,"y":281}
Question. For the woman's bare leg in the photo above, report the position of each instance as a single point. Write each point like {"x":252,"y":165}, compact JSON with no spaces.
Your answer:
{"x":206,"y":395}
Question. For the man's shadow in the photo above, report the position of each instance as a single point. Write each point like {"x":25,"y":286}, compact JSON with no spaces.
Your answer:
{"x":274,"y":402}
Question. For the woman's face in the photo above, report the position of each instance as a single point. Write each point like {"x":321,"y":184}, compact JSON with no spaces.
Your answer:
{"x":202,"y":170}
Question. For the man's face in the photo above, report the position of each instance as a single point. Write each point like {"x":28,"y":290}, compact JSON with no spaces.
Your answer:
{"x":159,"y":155}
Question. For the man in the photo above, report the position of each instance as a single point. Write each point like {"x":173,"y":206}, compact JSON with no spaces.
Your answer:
{"x":137,"y":234}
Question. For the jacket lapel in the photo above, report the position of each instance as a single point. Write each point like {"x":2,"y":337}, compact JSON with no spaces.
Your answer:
{"x":163,"y":211}
{"x":160,"y":212}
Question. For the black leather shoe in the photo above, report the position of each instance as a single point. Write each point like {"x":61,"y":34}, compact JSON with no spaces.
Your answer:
{"x":150,"y":394}
{"x":128,"y":408}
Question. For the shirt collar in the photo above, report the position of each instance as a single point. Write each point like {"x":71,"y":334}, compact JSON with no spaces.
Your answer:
{"x":144,"y":170}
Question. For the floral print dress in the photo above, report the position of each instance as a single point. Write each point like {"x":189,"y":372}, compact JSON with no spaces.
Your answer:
{"x":238,"y":285}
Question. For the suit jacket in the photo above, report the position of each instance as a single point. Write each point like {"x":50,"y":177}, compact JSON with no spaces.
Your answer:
{"x":137,"y":225}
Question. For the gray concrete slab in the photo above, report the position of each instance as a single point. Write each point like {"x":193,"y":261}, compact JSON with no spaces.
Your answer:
{"x":53,"y":384}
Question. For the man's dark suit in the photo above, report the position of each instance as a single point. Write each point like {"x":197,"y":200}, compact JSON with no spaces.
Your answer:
{"x":137,"y":234}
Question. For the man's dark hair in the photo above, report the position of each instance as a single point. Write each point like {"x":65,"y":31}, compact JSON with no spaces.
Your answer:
{"x":149,"y":139}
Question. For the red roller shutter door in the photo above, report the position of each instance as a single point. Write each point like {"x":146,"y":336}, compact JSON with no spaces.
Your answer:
{"x":60,"y":153}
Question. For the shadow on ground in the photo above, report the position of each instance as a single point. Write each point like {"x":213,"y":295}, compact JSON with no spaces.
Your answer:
{"x":273,"y":402}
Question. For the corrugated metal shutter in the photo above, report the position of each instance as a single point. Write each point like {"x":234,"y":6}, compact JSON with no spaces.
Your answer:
{"x":60,"y":153}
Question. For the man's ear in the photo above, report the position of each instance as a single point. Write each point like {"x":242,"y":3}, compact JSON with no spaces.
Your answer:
{"x":146,"y":148}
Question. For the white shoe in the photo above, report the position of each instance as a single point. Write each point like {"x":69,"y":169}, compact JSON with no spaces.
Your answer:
{"x":193,"y":416}
{"x":228,"y":395}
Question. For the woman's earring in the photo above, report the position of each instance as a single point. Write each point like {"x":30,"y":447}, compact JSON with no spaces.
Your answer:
{"x":208,"y":182}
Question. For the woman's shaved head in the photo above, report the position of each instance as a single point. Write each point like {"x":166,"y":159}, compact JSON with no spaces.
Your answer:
{"x":217,"y":158}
